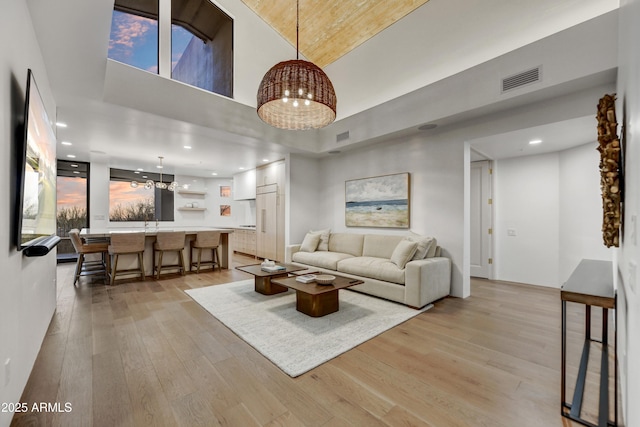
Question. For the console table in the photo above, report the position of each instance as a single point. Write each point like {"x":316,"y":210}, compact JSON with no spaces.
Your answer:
{"x":591,"y":284}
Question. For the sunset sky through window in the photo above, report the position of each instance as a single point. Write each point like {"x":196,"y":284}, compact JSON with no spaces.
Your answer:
{"x":134,"y":41}
{"x":71,"y":192}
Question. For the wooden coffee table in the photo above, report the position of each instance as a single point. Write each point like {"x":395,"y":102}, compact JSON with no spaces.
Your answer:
{"x":262,"y":279}
{"x":316,"y":300}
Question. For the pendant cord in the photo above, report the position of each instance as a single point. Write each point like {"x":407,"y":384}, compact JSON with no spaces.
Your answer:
{"x":297,"y":27}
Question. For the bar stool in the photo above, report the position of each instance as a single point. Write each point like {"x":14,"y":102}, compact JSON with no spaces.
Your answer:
{"x":205,"y":240}
{"x":127,"y":244}
{"x":168,"y":241}
{"x":86,"y":267}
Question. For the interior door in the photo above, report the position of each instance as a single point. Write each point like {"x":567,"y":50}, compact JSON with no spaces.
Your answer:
{"x":481,"y":228}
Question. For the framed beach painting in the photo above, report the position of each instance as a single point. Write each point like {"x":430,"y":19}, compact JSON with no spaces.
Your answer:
{"x":381,"y":201}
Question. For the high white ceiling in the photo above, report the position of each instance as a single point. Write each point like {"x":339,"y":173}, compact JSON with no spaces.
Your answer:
{"x":128,"y":125}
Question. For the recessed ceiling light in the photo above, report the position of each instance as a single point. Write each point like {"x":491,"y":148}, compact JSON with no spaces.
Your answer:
{"x":71,"y":156}
{"x":265,"y":160}
{"x":188,"y":147}
{"x":241,"y":168}
{"x":535,"y":141}
{"x":66,"y":143}
{"x":74,"y":165}
{"x":136,"y":171}
{"x":144,"y":176}
{"x":76,"y":171}
{"x":214,"y":173}
{"x":159,"y":166}
{"x":61,"y":125}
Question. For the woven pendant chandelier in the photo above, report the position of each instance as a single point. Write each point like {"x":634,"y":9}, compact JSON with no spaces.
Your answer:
{"x":296,"y":94}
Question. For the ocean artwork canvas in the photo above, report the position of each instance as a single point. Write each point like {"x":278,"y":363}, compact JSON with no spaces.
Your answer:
{"x":381,"y":201}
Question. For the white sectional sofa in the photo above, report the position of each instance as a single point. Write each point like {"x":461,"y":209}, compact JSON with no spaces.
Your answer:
{"x":405,"y":269}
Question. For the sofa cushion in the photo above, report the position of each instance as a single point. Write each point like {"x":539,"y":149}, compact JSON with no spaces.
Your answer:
{"x":346,"y":243}
{"x":403,"y":253}
{"x":379,"y":246}
{"x":310,"y":242}
{"x":372,"y":267}
{"x":434,"y":250}
{"x":324,"y":239}
{"x":321,"y":259}
{"x":426,"y":245}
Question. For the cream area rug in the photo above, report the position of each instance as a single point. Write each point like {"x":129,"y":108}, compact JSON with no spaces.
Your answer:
{"x":295,"y":342}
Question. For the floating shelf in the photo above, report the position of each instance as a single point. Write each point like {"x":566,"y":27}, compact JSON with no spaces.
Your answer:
{"x":192,"y":192}
{"x":191,"y":209}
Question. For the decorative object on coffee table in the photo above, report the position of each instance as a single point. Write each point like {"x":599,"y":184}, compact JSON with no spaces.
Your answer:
{"x":381,"y":201}
{"x":325,"y":279}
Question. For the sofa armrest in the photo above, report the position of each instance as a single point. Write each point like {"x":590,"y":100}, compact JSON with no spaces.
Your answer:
{"x":289,"y":251}
{"x":427,"y":280}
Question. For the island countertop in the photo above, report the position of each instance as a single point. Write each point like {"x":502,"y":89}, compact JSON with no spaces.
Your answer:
{"x":95,"y":232}
{"x":225,"y":248}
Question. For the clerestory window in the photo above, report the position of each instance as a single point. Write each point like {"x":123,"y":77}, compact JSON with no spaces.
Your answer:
{"x":134,"y":34}
{"x":201,"y":51}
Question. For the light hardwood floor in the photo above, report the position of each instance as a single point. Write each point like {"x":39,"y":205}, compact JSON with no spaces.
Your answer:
{"x":143,"y":353}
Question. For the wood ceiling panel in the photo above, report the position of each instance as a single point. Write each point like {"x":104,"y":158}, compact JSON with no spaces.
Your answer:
{"x":331,"y":28}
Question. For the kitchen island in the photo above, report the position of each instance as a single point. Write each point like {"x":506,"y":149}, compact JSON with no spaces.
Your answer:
{"x":225,"y":248}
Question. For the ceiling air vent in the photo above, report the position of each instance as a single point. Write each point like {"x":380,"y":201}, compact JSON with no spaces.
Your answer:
{"x":342,"y":136}
{"x":522,"y":79}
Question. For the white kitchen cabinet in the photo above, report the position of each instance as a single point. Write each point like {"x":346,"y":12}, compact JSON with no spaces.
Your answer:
{"x":244,"y":185}
{"x":270,"y":174}
{"x":270,"y":210}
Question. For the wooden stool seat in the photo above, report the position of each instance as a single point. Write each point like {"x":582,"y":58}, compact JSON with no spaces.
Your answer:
{"x":168,"y":241}
{"x":127,"y":244}
{"x":86,"y":267}
{"x":205,"y":240}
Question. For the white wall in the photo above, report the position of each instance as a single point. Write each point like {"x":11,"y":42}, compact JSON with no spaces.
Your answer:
{"x":526,"y":200}
{"x":99,"y":195}
{"x":438,"y":162}
{"x":580,"y":209}
{"x":257,"y":47}
{"x":242,"y":211}
{"x":552,"y":202}
{"x":436,"y":166}
{"x":629,"y":256}
{"x":28,"y":290}
{"x":302,"y":212}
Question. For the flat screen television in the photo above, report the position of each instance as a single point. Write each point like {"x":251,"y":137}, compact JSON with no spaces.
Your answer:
{"x":36,"y":183}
